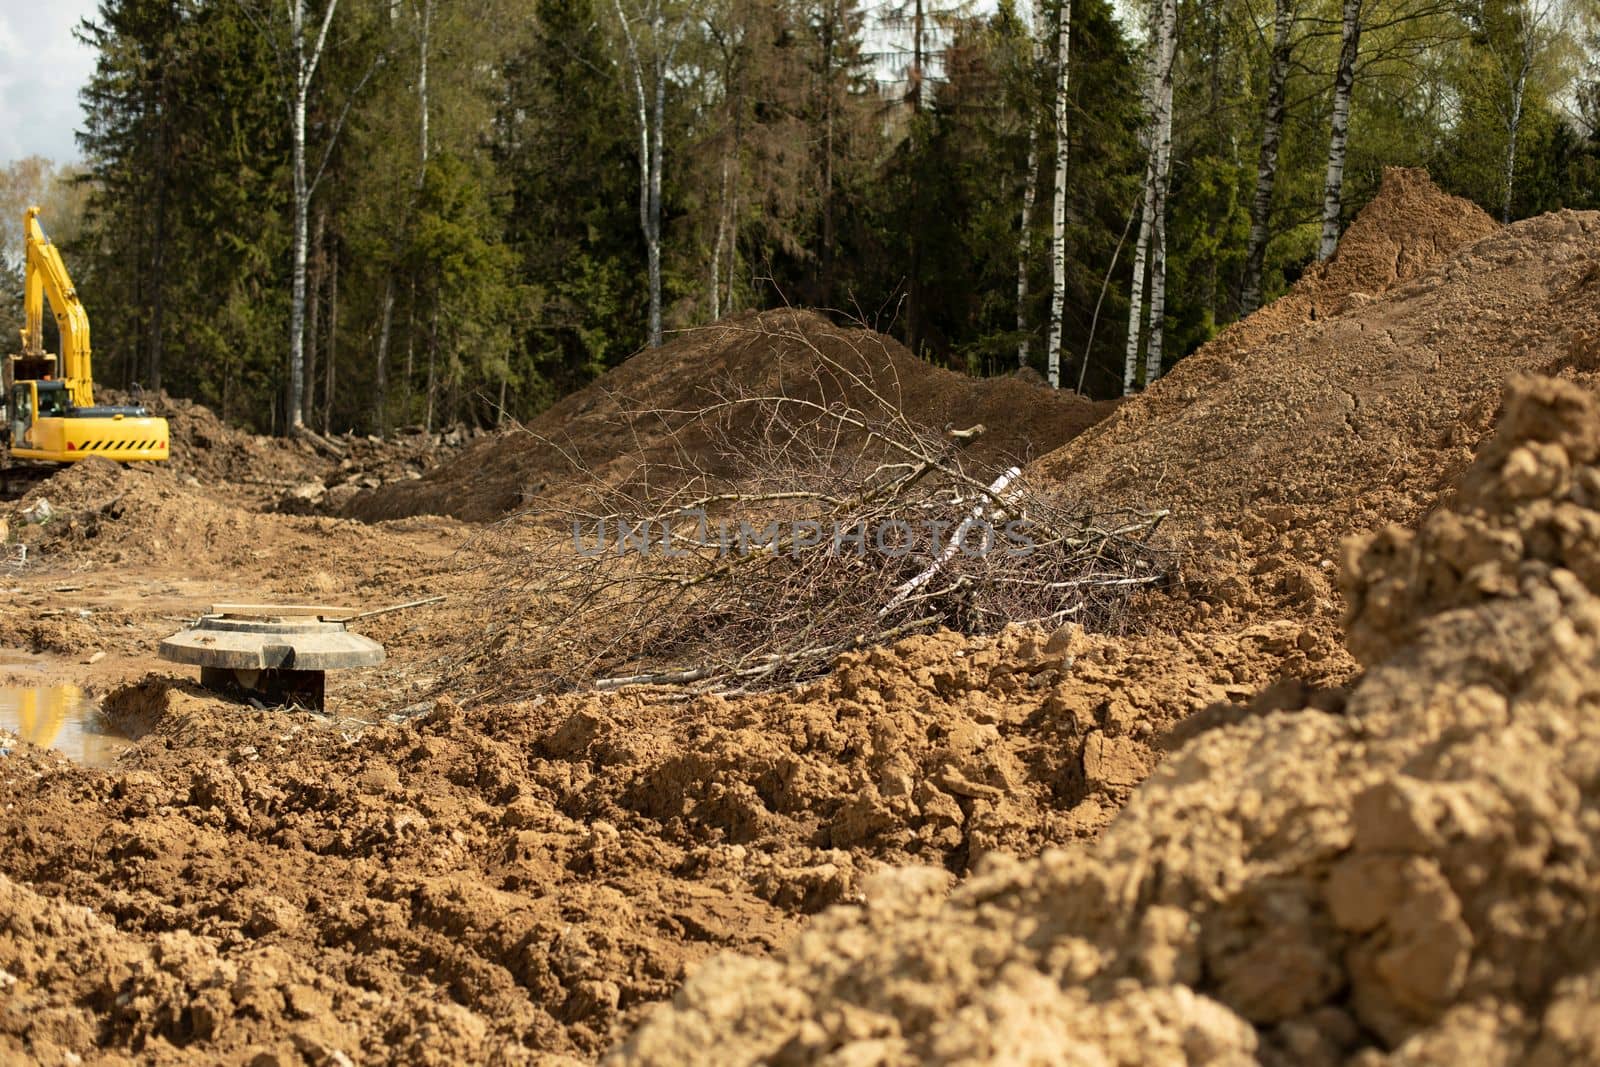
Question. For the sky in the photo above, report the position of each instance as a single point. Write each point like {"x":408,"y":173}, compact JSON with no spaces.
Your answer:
{"x":41,"y":70}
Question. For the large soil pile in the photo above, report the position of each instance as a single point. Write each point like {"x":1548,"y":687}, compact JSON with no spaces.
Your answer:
{"x":1352,"y":401}
{"x":642,"y":415}
{"x":1413,"y":877}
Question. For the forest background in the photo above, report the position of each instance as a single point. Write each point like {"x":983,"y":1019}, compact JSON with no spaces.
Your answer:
{"x":372,"y":214}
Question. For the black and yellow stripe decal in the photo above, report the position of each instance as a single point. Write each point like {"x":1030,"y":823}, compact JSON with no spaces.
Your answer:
{"x":118,"y":446}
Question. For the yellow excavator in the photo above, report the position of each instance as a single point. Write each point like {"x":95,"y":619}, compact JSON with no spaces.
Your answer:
{"x":50,"y":415}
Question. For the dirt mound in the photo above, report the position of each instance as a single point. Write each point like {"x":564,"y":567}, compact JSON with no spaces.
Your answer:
{"x":291,"y":474}
{"x":1406,"y":230}
{"x":1345,"y":405}
{"x":143,"y":515}
{"x":138,"y":514}
{"x":937,"y":749}
{"x":643,"y":414}
{"x":268,"y":884}
{"x":209,"y":450}
{"x":175,"y":990}
{"x":540,"y":873}
{"x":1411,"y":880}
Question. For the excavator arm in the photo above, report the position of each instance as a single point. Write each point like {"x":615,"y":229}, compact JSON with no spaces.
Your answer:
{"x":47,"y":278}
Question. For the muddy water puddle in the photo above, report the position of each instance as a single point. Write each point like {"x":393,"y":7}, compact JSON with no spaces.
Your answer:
{"x":62,"y":717}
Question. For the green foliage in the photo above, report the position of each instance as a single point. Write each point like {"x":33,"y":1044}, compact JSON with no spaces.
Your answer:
{"x":457,"y":247}
{"x":184,"y":245}
{"x":507,"y":256}
{"x":565,"y":146}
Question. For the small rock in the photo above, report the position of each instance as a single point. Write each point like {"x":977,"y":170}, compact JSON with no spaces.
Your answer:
{"x":1062,"y":641}
{"x":523,"y":811}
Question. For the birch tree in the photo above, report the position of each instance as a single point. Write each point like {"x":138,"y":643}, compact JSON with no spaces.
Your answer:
{"x":299,"y":59}
{"x":1163,"y":153}
{"x":1157,"y":142}
{"x":1534,"y":48}
{"x":424,"y":16}
{"x":651,"y":35}
{"x":304,"y":71}
{"x":1141,"y":245}
{"x":1058,"y":215}
{"x":1516,"y":68}
{"x":1030,"y":182}
{"x":1344,"y":79}
{"x":1267,"y":161}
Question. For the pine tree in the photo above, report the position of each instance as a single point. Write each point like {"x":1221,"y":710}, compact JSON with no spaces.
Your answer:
{"x":561,"y":126}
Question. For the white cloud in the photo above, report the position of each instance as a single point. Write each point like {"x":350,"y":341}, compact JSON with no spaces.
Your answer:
{"x":42,"y":67}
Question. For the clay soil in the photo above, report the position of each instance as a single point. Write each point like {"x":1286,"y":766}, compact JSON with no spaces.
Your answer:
{"x":1329,"y":798}
{"x":643,"y":419}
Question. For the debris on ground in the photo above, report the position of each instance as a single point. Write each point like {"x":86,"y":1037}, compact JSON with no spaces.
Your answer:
{"x":1352,"y":402}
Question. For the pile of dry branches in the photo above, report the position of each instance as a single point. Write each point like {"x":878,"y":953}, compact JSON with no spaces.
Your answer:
{"x":843,"y":526}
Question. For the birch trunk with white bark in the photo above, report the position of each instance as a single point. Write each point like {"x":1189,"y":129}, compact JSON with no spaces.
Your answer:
{"x":1513,"y":127}
{"x":1141,"y":254}
{"x":1343,"y":83}
{"x":422,"y":90}
{"x":380,"y":386}
{"x":1163,"y":181}
{"x":651,"y":104}
{"x":724,"y":248}
{"x":1058,"y":215}
{"x":1158,"y":71}
{"x":305,"y":69}
{"x":653,"y":227}
{"x":717,"y":243}
{"x":1030,"y":189}
{"x":1267,"y":162}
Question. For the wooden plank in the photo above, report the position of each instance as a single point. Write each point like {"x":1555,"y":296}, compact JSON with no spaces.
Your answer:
{"x":424,"y":602}
{"x":287,"y":611}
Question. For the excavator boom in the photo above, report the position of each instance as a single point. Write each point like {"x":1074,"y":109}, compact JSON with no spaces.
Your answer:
{"x":47,"y":277}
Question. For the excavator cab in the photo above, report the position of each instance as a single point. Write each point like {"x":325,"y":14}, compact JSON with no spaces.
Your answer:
{"x":44,"y":424}
{"x":20,"y":413}
{"x":32,"y":400}
{"x":50,"y":400}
